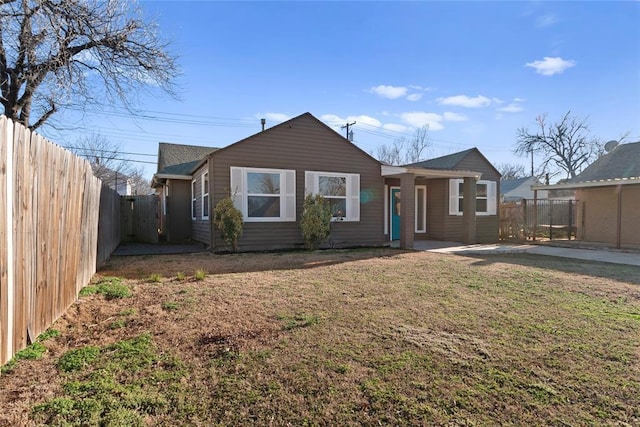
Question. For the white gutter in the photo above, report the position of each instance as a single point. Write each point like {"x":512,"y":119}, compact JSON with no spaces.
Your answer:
{"x":588,"y":184}
{"x":428,"y":173}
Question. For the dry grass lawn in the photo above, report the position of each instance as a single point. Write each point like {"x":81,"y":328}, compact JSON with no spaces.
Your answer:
{"x":362,"y":337}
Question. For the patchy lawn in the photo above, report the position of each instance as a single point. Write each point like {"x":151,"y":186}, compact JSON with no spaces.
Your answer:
{"x":363,"y":337}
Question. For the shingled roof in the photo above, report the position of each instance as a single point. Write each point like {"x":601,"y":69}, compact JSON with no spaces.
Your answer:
{"x":511,"y":184}
{"x":448,"y":162}
{"x":620,"y":163}
{"x":180,"y":159}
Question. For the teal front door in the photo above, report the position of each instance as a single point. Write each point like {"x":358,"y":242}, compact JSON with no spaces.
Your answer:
{"x":395,"y":214}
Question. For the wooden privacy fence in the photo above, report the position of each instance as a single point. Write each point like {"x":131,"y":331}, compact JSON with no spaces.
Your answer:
{"x":139,"y":218}
{"x":49,"y":212}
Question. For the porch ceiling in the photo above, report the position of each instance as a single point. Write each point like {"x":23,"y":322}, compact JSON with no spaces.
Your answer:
{"x":428,"y":173}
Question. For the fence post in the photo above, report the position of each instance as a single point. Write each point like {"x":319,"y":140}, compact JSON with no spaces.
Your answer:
{"x":550,"y":220}
{"x":535,"y":214}
{"x":10,"y":296}
{"x":570,"y":217}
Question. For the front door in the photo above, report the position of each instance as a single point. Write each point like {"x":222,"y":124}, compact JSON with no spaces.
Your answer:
{"x":395,"y":214}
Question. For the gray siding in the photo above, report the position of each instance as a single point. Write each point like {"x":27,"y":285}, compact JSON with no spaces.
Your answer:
{"x":178,"y":219}
{"x":303,"y":144}
{"x":199,"y":226}
{"x":486,"y":226}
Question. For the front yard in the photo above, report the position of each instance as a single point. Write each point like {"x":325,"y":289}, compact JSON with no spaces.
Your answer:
{"x":363,"y":337}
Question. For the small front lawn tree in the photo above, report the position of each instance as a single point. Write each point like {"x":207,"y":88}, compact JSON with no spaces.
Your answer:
{"x":228,"y":219}
{"x":316,"y":221}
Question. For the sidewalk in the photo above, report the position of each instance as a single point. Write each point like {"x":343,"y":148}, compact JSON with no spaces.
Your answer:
{"x":599,"y":255}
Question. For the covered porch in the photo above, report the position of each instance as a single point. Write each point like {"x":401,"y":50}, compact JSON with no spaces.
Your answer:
{"x":419,"y":201}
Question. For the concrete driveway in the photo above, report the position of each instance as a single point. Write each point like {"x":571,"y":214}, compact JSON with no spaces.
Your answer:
{"x":599,"y":255}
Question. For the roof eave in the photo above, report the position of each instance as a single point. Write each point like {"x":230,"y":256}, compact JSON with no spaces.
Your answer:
{"x":589,"y":184}
{"x":428,"y":173}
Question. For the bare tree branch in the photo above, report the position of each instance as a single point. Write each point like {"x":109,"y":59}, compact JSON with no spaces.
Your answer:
{"x":565,"y":146}
{"x":76,"y":52}
{"x":405,"y":151}
{"x":511,"y":171}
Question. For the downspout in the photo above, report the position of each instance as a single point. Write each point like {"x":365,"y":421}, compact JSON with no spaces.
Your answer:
{"x":619,"y":219}
{"x":212,"y":193}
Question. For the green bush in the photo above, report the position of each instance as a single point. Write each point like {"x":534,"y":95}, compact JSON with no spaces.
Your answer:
{"x":316,"y":221}
{"x":228,"y":219}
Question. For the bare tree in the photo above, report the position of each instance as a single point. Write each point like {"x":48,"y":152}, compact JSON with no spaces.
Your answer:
{"x":63,"y":53}
{"x":110,"y":164}
{"x":566,"y":146}
{"x":511,"y":171}
{"x":405,"y":151}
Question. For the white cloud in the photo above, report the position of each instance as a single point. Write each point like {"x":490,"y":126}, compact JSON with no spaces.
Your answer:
{"x":414,"y":97}
{"x":419,"y":119}
{"x":511,"y":108}
{"x":390,"y":92}
{"x":551,"y":65}
{"x":454,"y":117}
{"x":274,"y":117}
{"x":465,"y":101}
{"x":546,"y":20}
{"x":519,"y":99}
{"x":334,"y":120}
{"x":397,"y":128}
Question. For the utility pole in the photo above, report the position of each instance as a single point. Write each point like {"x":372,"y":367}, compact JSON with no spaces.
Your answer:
{"x":531,"y":161}
{"x":347,"y":127}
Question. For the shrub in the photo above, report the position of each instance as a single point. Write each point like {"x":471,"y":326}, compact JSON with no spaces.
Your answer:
{"x":200,"y":274}
{"x":316,"y":221}
{"x":228,"y":219}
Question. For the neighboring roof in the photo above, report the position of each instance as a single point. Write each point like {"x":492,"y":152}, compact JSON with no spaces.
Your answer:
{"x":180,"y":159}
{"x":511,"y":184}
{"x":448,"y":162}
{"x":621,"y":162}
{"x":621,"y":166}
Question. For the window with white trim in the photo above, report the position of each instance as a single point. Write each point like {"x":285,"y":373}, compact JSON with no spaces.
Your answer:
{"x":342,"y":191}
{"x":205,"y":195}
{"x":193,"y":199}
{"x":264,"y":195}
{"x":421,"y":209}
{"x":485,"y":197}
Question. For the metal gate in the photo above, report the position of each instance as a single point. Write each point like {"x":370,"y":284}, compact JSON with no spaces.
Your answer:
{"x":139,"y":219}
{"x":545,"y":219}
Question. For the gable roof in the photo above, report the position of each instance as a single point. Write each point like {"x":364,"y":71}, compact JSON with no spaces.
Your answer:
{"x":180,"y":159}
{"x":622,"y":162}
{"x":511,"y":184}
{"x":290,"y":123}
{"x":451,"y":161}
{"x":448,"y":162}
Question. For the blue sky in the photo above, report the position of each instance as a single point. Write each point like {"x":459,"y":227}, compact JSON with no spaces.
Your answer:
{"x":473,"y":71}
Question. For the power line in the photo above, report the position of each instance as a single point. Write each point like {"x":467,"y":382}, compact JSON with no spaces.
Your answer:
{"x":68,"y":147}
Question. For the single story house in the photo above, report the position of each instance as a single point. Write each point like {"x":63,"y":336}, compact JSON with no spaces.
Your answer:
{"x":608,"y":197}
{"x":513,"y":190}
{"x":268,"y":175}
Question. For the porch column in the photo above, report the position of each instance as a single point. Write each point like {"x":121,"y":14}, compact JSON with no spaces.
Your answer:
{"x":407,"y":210}
{"x":469,"y":211}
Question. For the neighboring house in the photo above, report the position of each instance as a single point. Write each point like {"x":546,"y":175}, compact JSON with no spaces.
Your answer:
{"x":608,"y":197}
{"x":269,"y":174}
{"x":114,"y":179}
{"x":512,"y":190}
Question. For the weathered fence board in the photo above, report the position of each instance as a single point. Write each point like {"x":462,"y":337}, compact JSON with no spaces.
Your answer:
{"x":50,"y":210}
{"x":140,"y":218}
